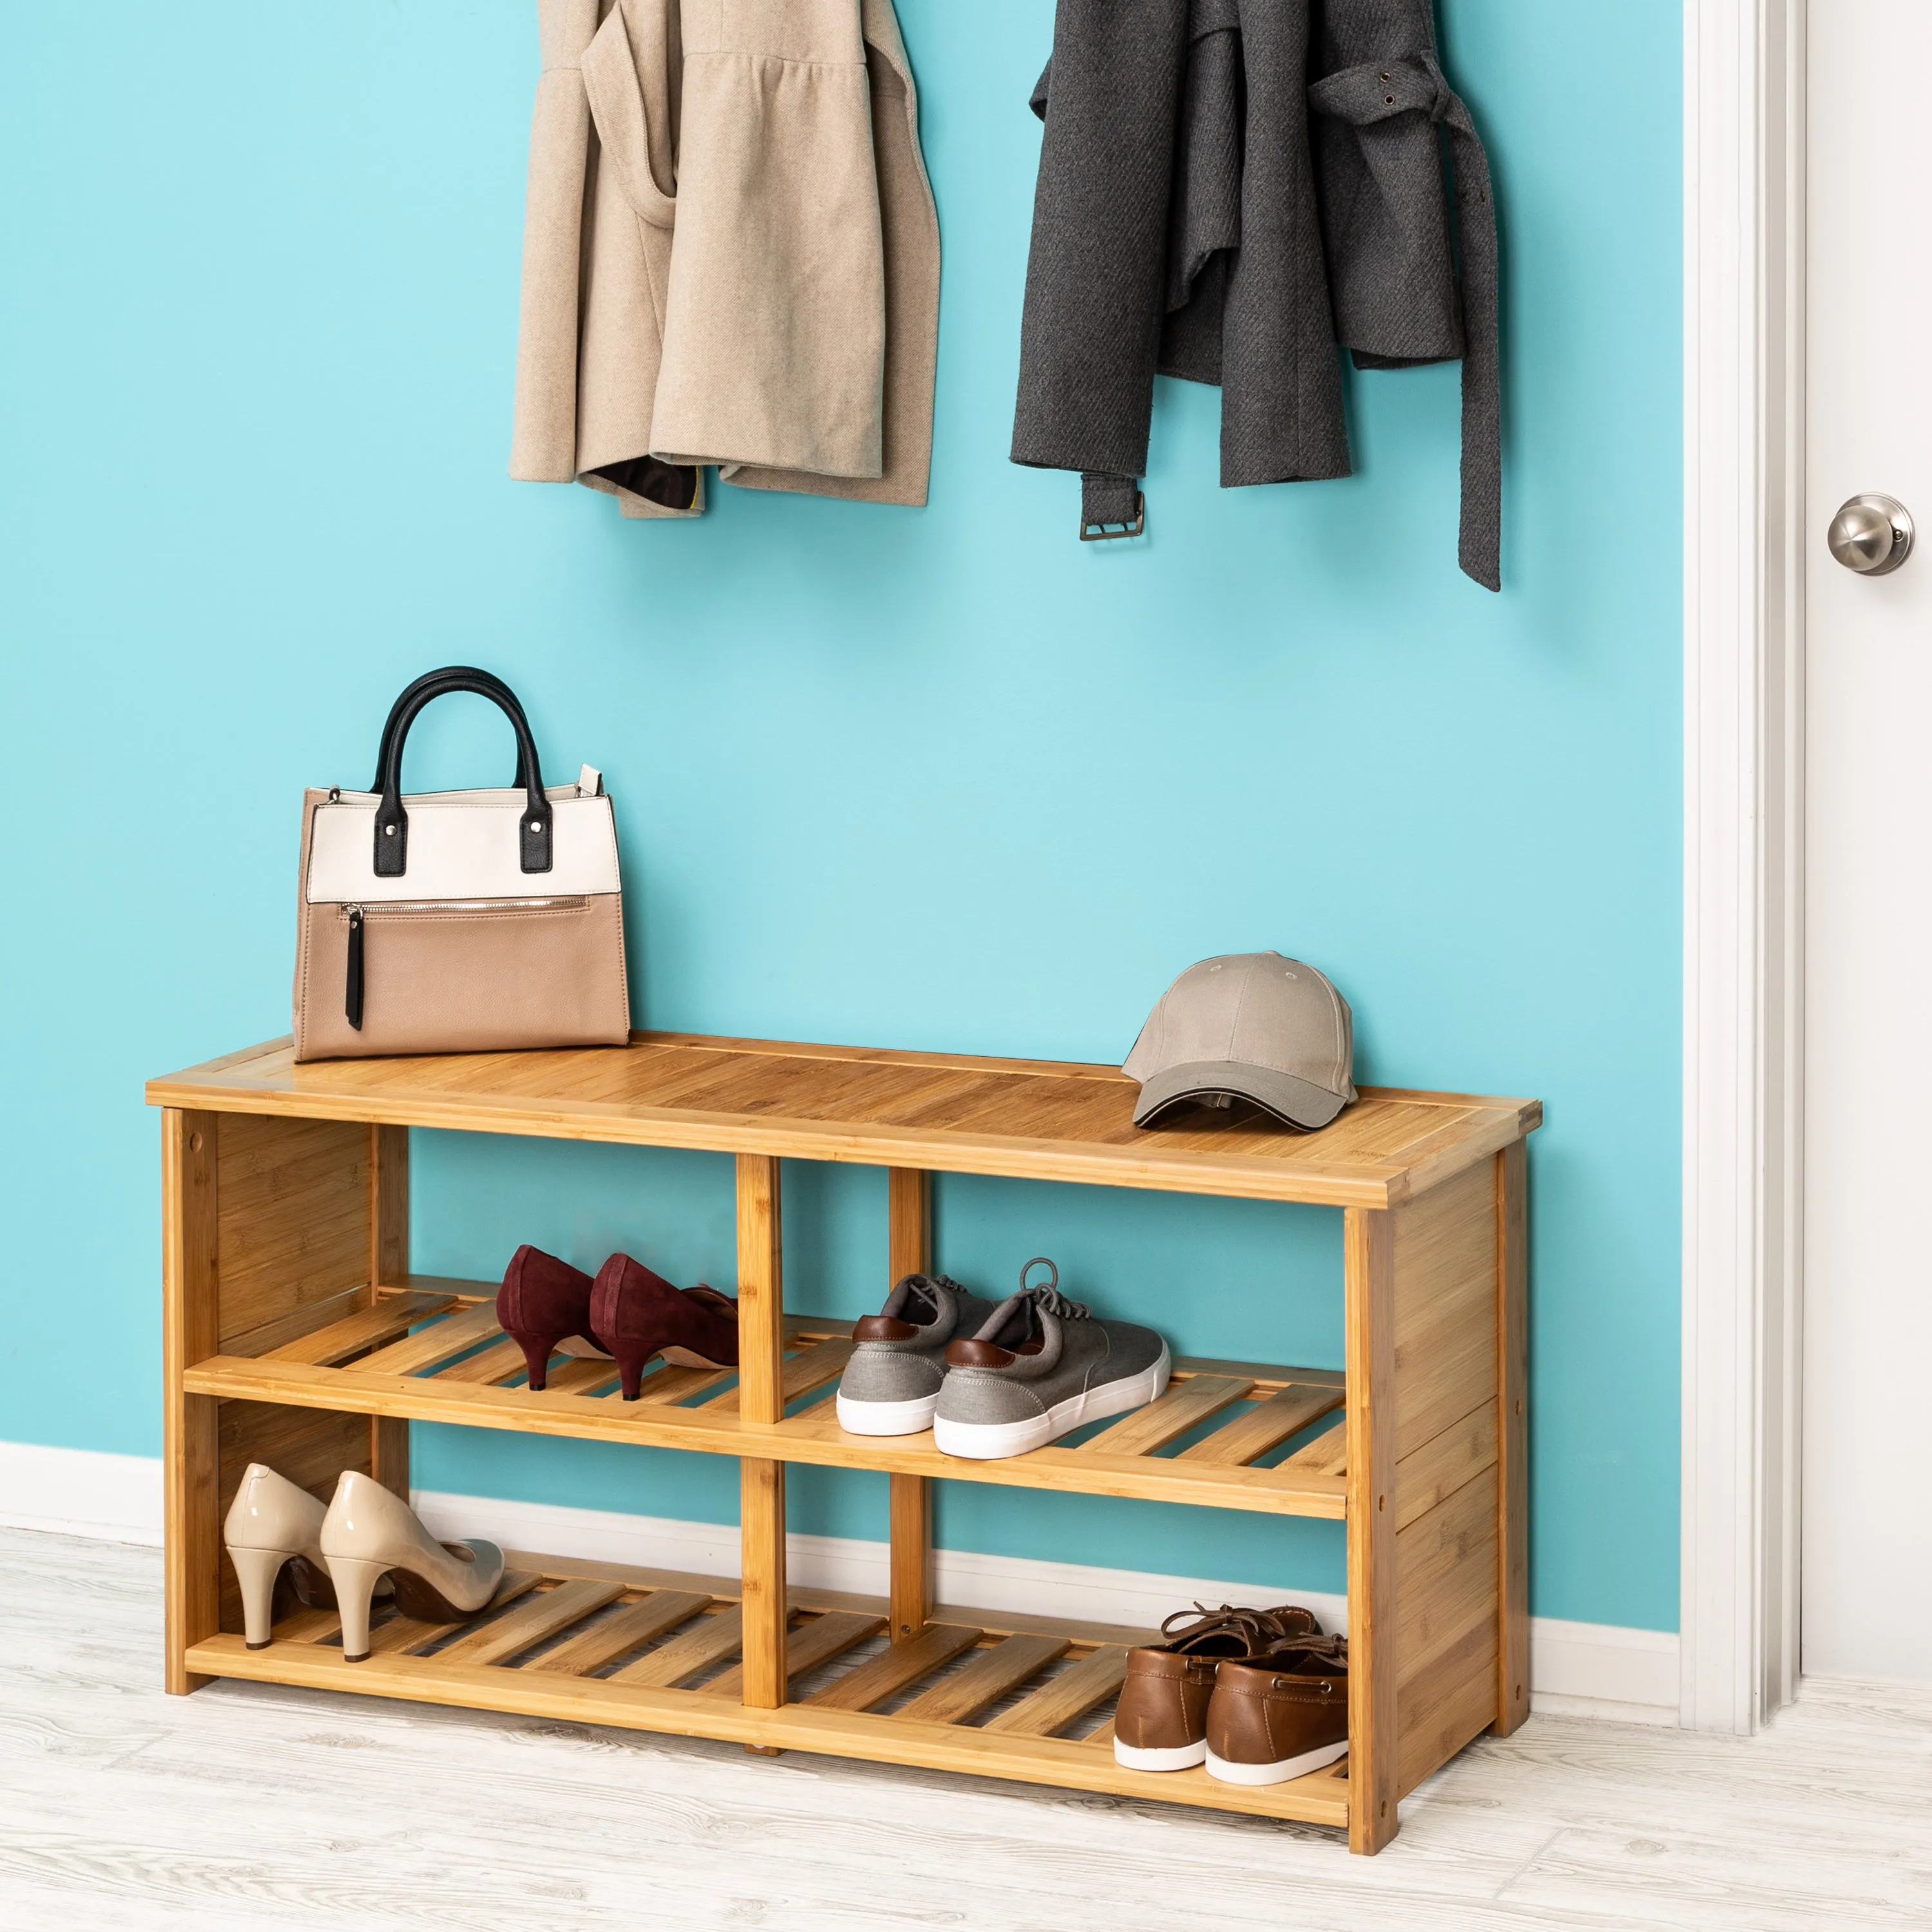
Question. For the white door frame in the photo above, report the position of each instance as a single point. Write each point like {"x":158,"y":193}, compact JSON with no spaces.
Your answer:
{"x":1744,"y":584}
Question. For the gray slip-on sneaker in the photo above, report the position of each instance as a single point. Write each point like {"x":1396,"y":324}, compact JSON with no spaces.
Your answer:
{"x":891,"y":1382}
{"x":1039,"y":1366}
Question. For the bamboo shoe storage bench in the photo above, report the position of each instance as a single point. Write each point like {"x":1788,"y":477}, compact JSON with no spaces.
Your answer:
{"x":296,"y":1335}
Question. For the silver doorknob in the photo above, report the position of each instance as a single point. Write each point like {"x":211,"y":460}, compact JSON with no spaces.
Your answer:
{"x":1871,"y":535}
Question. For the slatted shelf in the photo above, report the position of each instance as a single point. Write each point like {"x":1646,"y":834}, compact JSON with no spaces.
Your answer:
{"x":603,"y":1644}
{"x":370,"y":1363}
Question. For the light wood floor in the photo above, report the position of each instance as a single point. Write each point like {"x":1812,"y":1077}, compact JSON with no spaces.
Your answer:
{"x":252,"y":1806}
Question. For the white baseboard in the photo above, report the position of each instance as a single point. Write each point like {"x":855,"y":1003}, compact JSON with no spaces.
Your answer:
{"x":1584,"y":1670}
{"x":1603,"y":1670}
{"x":80,"y":1492}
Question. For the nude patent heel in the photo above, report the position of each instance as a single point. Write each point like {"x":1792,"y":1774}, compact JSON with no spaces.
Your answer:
{"x":368,"y":1532}
{"x":258,"y":1570}
{"x":271,"y":1523}
{"x":354,"y":1580}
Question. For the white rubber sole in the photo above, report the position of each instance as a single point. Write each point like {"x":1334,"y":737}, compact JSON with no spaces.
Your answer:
{"x":992,"y":1441}
{"x":1173,"y":1757}
{"x":886,"y":1418}
{"x":1278,"y":1773}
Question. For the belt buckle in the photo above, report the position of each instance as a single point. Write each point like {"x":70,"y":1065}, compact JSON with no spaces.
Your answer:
{"x":1111,"y":533}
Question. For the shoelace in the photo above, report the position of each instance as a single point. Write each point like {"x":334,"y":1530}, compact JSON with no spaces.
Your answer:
{"x":1256,"y":1628}
{"x":1320,"y":1651}
{"x":1051,"y":1301}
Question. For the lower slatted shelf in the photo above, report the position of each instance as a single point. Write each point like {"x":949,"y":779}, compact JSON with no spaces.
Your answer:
{"x":1022,"y":1699}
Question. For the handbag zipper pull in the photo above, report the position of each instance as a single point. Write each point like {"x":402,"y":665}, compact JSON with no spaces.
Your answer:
{"x":353,"y":981}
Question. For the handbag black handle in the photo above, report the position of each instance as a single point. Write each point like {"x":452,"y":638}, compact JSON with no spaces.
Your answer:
{"x":451,"y":677}
{"x":392,"y":822}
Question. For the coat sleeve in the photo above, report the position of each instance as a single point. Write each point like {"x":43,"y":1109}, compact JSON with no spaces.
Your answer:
{"x":1089,"y":329}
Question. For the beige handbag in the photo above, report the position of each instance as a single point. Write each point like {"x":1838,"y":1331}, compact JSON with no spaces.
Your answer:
{"x":460,"y":921}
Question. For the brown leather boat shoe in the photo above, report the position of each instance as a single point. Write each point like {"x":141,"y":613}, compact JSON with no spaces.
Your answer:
{"x":1281,"y":1715}
{"x":1161,"y":1722}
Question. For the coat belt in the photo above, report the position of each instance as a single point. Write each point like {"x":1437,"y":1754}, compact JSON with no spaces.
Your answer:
{"x":1381,"y":91}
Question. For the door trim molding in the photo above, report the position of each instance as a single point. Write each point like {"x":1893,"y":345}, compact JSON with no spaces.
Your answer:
{"x":1744,"y":260}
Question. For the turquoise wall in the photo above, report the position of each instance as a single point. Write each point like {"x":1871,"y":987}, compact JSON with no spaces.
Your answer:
{"x":946,"y":778}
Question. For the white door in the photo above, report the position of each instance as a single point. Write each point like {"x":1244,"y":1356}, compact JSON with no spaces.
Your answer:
{"x":1867,"y":1358}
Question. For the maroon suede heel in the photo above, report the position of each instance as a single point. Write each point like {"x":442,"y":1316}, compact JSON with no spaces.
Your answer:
{"x":635,"y":1314}
{"x":543,"y":1301}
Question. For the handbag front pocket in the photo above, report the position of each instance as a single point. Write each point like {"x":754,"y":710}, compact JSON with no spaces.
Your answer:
{"x":462,"y":976}
{"x":356,"y":917}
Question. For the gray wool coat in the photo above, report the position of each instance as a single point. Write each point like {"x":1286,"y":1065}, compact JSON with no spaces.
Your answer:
{"x":1227,"y":189}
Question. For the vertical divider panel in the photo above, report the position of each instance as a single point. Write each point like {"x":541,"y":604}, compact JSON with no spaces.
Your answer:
{"x":909,"y":1246}
{"x":761,"y":1400}
{"x":389,"y":1264}
{"x":1369,"y":1252}
{"x":1512,"y":1439}
{"x":191,"y":1326}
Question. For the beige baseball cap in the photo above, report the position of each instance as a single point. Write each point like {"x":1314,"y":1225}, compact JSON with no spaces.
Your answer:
{"x":1252,"y":1026}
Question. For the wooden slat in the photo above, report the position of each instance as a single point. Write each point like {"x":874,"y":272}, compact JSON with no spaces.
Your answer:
{"x":1440,"y":1468}
{"x":710,"y":1640}
{"x":1272,"y":1375}
{"x":582,"y":1374}
{"x":1446,"y":1560}
{"x":496,"y":1363}
{"x":437,"y":1343}
{"x":1446,"y":1705}
{"x":1284,"y":1414}
{"x":817,"y":1641}
{"x":675,"y":1383}
{"x":405,"y":1634}
{"x":306,"y":1627}
{"x":1327,"y":1455}
{"x":1069,"y":1697}
{"x":537,"y":1617}
{"x":464,"y":1289}
{"x":298,"y":1322}
{"x":642,"y":1622}
{"x":1186,"y":1405}
{"x":401,"y":1634}
{"x":367,"y":1328}
{"x":811,"y":1368}
{"x":1445,"y":1306}
{"x":1101,"y":1737}
{"x":293,"y":1226}
{"x":986,"y":1679}
{"x":894,"y":1668}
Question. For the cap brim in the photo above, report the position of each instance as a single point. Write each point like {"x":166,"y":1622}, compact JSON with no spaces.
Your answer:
{"x":1294,"y":1101}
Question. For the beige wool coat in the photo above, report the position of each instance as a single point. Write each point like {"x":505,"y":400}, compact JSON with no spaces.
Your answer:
{"x":730,"y":253}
